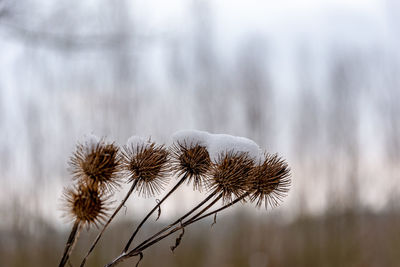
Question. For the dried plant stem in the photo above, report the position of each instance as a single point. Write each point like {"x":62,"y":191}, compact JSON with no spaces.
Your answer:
{"x":179,"y":227}
{"x":206,"y":208}
{"x":109,"y":221}
{"x":128,"y":244}
{"x":70,"y":243}
{"x":136,"y":251}
{"x":178,"y":220}
{"x":194,"y":219}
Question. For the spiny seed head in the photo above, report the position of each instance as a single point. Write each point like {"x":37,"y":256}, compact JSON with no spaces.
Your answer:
{"x":270,"y":181}
{"x":86,"y":204}
{"x":148,"y":164}
{"x":191,"y":160}
{"x":97,"y":164}
{"x":231,"y":174}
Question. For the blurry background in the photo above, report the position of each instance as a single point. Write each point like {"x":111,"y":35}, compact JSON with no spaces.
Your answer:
{"x":315,"y":80}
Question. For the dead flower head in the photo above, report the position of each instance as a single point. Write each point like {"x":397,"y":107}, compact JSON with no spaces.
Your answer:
{"x":97,"y":164}
{"x":231,"y":174}
{"x":146,"y":163}
{"x":270,"y":181}
{"x":86,"y":204}
{"x":192,"y":161}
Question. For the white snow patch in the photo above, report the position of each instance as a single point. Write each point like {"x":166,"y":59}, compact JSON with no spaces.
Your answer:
{"x":191,"y":138}
{"x":90,"y":140}
{"x":224,"y":143}
{"x":134,"y":142}
{"x":220,"y":144}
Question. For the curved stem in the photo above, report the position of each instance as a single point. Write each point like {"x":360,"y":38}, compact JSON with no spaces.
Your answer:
{"x":138,"y":250}
{"x":109,"y":221}
{"x":120,"y":259}
{"x":205,"y":209}
{"x":70,"y":243}
{"x":151,"y":212}
{"x":190,"y":221}
{"x":178,"y":220}
{"x":193,"y":220}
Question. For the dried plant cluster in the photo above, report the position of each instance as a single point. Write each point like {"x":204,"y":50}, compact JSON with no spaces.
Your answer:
{"x":231,"y":175}
{"x":86,"y":204}
{"x":192,"y":161}
{"x":98,"y":168}
{"x":97,"y":165}
{"x":148,"y":165}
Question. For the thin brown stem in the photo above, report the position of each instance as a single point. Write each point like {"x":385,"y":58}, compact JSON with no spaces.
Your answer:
{"x":178,"y":220}
{"x":136,"y":251}
{"x":192,"y":220}
{"x":206,"y":208}
{"x":128,"y":244}
{"x":109,"y":221}
{"x":70,"y":243}
{"x":140,"y":248}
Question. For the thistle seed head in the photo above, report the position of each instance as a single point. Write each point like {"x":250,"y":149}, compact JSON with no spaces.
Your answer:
{"x":270,"y":181}
{"x":147,"y":164}
{"x":192,"y":161}
{"x":86,"y":204}
{"x":96,"y":164}
{"x":231,"y":175}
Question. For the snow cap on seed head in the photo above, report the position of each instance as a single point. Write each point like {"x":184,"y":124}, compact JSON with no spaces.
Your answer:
{"x":190,"y":156}
{"x":230,"y":176}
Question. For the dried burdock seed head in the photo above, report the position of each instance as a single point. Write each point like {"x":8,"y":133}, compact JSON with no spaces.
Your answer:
{"x":96,"y":163}
{"x":231,"y":174}
{"x":148,"y":164}
{"x":86,"y":204}
{"x":270,"y":181}
{"x":191,"y":160}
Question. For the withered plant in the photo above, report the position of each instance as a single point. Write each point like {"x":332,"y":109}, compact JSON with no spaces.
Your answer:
{"x":97,"y":164}
{"x":94,"y":166}
{"x":232,"y":177}
{"x":191,"y":161}
{"x":145,"y":166}
{"x":270,"y":181}
{"x":86,"y":205}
